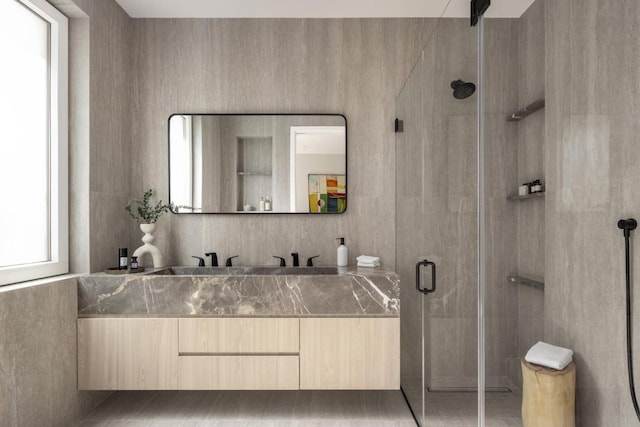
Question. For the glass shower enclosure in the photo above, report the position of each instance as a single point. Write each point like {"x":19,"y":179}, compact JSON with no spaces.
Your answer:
{"x":458,"y":164}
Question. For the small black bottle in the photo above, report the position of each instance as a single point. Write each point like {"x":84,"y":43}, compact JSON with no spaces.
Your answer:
{"x":536,"y":186}
{"x":124,"y":258}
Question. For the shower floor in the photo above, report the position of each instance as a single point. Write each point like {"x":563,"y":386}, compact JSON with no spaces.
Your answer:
{"x":456,"y":409}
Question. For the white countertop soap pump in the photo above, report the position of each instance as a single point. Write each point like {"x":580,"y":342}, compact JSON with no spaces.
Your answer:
{"x":343,"y":253}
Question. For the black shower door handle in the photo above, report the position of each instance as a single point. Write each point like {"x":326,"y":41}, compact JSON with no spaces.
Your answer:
{"x":433,"y":277}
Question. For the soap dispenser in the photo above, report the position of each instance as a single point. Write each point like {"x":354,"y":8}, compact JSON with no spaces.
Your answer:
{"x":343,"y":253}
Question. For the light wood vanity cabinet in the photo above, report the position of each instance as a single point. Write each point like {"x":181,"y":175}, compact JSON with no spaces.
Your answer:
{"x":349,"y":353}
{"x":127,"y":354}
{"x":238,"y":353}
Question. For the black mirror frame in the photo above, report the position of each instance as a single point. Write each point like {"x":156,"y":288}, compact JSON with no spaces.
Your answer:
{"x":346,"y":168}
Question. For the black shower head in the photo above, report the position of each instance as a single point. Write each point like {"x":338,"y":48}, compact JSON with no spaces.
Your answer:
{"x":462,"y":89}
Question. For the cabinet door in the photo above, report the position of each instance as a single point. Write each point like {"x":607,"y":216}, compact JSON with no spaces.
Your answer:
{"x":127,"y":354}
{"x":349,"y":353}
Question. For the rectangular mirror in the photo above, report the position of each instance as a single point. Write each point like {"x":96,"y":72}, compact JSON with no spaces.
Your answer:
{"x":258,"y":163}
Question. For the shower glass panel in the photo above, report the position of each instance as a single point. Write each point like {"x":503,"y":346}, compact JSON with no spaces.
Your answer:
{"x":436,"y":221}
{"x":513,"y":243}
{"x":409,"y":239}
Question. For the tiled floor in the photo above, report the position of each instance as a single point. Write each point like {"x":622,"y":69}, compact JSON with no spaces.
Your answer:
{"x":297,"y":408}
{"x":251,"y":408}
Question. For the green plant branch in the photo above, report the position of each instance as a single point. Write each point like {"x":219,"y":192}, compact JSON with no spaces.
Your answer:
{"x":144,"y":212}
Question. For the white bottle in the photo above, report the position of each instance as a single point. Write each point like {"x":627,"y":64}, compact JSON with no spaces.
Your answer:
{"x":267,"y":204}
{"x":261,"y":204}
{"x":523,"y":190}
{"x":343,"y":253}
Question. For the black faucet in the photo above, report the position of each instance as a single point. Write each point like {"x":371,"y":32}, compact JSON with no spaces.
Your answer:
{"x":283,"y":263}
{"x":296,"y":260}
{"x":214,"y":258}
{"x":200,"y":261}
{"x":229,"y":263}
{"x":310,"y":260}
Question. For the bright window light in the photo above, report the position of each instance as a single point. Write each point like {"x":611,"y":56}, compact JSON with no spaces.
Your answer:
{"x":181,"y":164}
{"x":33,"y":141}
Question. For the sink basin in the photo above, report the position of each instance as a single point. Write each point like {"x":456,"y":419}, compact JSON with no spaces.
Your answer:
{"x":246,"y":271}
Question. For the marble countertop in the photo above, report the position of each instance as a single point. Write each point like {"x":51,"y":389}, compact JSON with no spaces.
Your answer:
{"x":360,"y":292}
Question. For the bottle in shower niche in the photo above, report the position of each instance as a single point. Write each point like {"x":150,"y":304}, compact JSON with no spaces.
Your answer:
{"x":267,"y":204}
{"x":262,"y":204}
{"x":123,"y":259}
{"x":536,"y":186}
{"x":523,"y":190}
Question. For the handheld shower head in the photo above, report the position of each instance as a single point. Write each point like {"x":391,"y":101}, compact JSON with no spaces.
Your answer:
{"x":462,"y":89}
{"x":627,"y":225}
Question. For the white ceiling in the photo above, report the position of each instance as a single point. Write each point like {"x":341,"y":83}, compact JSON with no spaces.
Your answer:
{"x":315,"y":8}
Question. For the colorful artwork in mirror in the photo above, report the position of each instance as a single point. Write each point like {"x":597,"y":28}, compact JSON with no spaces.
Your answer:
{"x":327,"y":193}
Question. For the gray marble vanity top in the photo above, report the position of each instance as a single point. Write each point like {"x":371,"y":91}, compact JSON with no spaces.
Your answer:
{"x":241,"y":291}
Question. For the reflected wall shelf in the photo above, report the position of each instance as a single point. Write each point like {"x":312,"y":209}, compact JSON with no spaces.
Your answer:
{"x":527,"y":196}
{"x":254,"y":173}
{"x":254,"y":170}
{"x":526,"y":281}
{"x":526,"y":111}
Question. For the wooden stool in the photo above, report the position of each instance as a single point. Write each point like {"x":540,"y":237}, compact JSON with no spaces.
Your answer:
{"x":548,"y":396}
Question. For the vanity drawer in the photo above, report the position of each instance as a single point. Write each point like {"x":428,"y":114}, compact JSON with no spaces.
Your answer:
{"x":239,"y":372}
{"x":239,"y":335}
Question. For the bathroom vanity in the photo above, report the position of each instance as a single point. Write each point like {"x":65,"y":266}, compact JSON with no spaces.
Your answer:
{"x":239,"y":329}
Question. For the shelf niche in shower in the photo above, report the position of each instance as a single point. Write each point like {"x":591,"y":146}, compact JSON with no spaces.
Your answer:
{"x":526,"y":111}
{"x":520,"y":280}
{"x":537,"y":195}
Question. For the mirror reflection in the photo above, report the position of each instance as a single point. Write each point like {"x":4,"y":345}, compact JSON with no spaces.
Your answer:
{"x":256,"y":163}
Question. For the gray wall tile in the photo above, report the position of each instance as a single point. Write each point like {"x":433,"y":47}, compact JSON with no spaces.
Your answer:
{"x":531,"y":144}
{"x":100,"y":130}
{"x":354,"y":67}
{"x":592,"y":171}
{"x":38,"y":362}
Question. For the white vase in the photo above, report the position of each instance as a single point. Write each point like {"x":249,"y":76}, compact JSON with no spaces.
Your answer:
{"x":148,"y":247}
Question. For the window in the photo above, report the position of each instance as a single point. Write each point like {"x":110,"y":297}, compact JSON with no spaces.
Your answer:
{"x":33,"y":141}
{"x":182,"y":155}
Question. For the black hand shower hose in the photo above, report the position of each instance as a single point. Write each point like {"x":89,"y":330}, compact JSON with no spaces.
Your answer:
{"x":627,"y":225}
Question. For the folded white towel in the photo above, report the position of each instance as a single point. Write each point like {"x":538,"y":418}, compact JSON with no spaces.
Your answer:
{"x":368,"y":259}
{"x":549,"y":355}
{"x":369,"y":265}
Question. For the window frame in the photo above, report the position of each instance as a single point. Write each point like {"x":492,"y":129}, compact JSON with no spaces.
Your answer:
{"x":58,"y":152}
